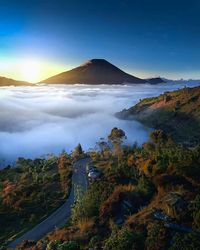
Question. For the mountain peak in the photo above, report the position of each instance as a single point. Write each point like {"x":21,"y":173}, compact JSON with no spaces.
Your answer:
{"x":94,"y":71}
{"x":98,"y":60}
{"x":95,"y":61}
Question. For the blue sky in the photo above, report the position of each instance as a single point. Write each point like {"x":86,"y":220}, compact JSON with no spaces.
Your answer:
{"x":143,"y":37}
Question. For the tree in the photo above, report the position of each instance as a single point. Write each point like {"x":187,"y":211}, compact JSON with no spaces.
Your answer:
{"x":78,"y":151}
{"x":158,"y":136}
{"x":8,"y":193}
{"x":116,"y":137}
{"x":104,"y":148}
{"x":62,"y":162}
{"x":64,"y":171}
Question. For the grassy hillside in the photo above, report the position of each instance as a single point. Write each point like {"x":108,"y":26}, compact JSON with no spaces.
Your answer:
{"x":177,"y":113}
{"x":147,"y":198}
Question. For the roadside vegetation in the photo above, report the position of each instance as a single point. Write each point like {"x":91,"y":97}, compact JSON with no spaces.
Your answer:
{"x":30,"y":191}
{"x":146,"y":198}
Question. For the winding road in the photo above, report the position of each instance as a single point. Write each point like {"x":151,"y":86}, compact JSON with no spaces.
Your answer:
{"x":58,"y":217}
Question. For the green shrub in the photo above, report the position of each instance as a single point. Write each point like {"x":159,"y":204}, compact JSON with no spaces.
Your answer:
{"x":69,"y":245}
{"x":156,"y":237}
{"x":188,"y":241}
{"x":87,"y":205}
{"x":195,"y":209}
{"x":119,"y":240}
{"x":53,"y":245}
{"x":145,"y":187}
{"x":95,"y":242}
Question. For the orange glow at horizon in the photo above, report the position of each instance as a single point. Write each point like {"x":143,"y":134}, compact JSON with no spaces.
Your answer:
{"x":28,"y":69}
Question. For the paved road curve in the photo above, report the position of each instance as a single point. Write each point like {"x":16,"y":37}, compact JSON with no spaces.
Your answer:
{"x":61,"y":214}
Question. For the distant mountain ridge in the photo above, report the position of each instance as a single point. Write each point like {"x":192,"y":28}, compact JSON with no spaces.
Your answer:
{"x":4,"y":81}
{"x":155,"y":80}
{"x":95,"y":71}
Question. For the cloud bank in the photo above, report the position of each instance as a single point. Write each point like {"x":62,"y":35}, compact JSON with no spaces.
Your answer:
{"x":35,"y":121}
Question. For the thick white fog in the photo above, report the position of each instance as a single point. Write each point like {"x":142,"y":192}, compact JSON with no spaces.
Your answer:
{"x":35,"y":121}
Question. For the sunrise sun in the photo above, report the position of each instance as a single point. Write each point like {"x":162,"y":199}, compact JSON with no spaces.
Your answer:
{"x":30,"y":71}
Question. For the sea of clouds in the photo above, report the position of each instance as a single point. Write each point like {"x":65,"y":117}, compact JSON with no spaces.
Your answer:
{"x":35,"y":121}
